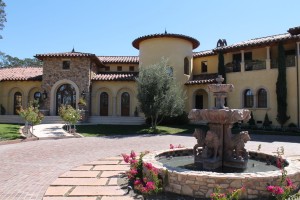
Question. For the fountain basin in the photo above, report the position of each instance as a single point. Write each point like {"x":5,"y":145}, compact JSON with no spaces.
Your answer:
{"x":220,"y":88}
{"x":201,"y":184}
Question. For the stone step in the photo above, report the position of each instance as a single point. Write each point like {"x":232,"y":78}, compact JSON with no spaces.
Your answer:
{"x":116,"y":120}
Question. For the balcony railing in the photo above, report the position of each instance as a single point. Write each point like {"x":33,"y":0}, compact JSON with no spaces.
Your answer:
{"x":255,"y":65}
{"x":290,"y":61}
{"x":233,"y":67}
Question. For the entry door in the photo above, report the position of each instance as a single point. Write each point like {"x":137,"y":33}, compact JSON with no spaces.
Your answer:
{"x":104,"y":104}
{"x":199,"y":101}
{"x":65,"y":95}
{"x":125,"y":104}
{"x":17,"y":103}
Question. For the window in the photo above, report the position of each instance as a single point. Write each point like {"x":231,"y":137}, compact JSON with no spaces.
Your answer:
{"x":186,"y":66}
{"x":37,"y":96}
{"x":103,"y":104}
{"x":248,"y":99}
{"x":119,"y":68}
{"x":262,"y":98}
{"x":17,"y":103}
{"x":66,"y":64}
{"x":199,"y":101}
{"x":248,"y":56}
{"x":204,"y":66}
{"x":125,"y":104}
{"x":131,"y":68}
{"x":107,"y":68}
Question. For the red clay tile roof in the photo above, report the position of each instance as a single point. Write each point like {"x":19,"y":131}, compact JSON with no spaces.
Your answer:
{"x":115,"y":76}
{"x":136,"y":42}
{"x":202,"y":79}
{"x":119,"y":59}
{"x":21,"y":74}
{"x":259,"y":41}
{"x":204,"y":53}
{"x":65,"y":54}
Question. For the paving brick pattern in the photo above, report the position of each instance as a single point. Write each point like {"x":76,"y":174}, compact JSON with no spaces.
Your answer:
{"x":28,"y":169}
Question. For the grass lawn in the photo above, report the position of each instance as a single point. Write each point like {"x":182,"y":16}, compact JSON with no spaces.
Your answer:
{"x":9,"y":132}
{"x":106,"y":130}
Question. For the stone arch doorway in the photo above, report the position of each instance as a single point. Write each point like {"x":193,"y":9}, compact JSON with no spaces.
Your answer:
{"x":200,"y":99}
{"x":104,"y":100}
{"x":65,"y":95}
{"x":125,"y":104}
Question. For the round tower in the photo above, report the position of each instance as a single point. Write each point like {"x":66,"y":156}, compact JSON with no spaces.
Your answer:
{"x":178,"y":49}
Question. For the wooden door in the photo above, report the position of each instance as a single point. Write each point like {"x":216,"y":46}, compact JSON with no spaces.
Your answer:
{"x":125,"y":104}
{"x":103,"y":104}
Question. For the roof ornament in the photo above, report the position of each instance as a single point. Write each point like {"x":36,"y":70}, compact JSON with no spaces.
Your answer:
{"x":73,"y":50}
{"x":166,"y":31}
{"x":221,"y":43}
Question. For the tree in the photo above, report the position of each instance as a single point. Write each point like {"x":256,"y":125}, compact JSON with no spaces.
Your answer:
{"x":2,"y":16}
{"x":69,"y":115}
{"x":31,"y":115}
{"x":221,"y":66}
{"x":10,"y":61}
{"x":158,"y":93}
{"x":281,"y":89}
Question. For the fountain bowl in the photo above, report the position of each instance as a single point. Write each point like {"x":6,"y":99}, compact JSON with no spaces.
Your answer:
{"x":200,"y":184}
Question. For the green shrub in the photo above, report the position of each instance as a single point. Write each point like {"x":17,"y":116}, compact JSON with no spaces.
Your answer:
{"x":176,"y":120}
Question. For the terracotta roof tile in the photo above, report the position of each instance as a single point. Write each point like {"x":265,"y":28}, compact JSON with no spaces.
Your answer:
{"x":65,"y":54}
{"x":204,"y":53}
{"x":119,"y":59}
{"x":259,"y":41}
{"x":202,"y":79}
{"x":115,"y":76}
{"x":136,"y":42}
{"x":21,"y":74}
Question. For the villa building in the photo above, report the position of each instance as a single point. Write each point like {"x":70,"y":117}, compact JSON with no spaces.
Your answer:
{"x":107,"y":83}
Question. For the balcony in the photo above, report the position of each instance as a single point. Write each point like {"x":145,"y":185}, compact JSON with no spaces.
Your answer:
{"x":255,"y":65}
{"x":233,"y":67}
{"x":290,"y":61}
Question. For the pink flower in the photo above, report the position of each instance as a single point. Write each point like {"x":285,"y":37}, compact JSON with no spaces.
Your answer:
{"x":126,"y":158}
{"x":132,"y":154}
{"x":150,"y":185}
{"x":171,"y":146}
{"x":137,"y":182}
{"x":279,"y":162}
{"x":148,"y":166}
{"x":133,"y":161}
{"x":289,"y":182}
{"x":270,"y":188}
{"x":133,"y":172}
{"x":278,"y":190}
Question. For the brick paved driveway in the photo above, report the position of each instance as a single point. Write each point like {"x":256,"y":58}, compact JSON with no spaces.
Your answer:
{"x":27,"y":169}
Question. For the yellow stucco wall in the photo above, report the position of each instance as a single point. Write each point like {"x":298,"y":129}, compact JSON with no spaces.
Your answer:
{"x":9,"y":88}
{"x":174,"y":49}
{"x":212,"y":64}
{"x":114,"y":90}
{"x":125,"y":67}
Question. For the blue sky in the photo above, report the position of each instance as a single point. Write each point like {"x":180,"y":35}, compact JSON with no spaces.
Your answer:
{"x":108,"y":27}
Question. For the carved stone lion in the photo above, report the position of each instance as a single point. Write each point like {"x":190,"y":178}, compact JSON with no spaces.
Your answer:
{"x":199,"y":134}
{"x":238,"y":145}
{"x":212,"y":141}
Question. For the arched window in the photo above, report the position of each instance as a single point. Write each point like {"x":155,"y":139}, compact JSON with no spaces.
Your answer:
{"x":125,"y":104}
{"x":104,"y":104}
{"x":17,"y":103}
{"x":262,"y":98}
{"x":248,"y":99}
{"x":186,"y":66}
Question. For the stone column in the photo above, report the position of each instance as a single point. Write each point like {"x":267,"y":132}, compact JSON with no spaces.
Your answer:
{"x":243,"y":61}
{"x":268,"y":60}
{"x":114,"y":106}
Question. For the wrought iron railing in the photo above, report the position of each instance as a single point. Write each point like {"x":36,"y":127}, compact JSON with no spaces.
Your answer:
{"x":290,"y":61}
{"x":255,"y":65}
{"x":233,"y":67}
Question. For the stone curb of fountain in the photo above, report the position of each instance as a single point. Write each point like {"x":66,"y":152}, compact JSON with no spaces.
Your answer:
{"x":92,"y":181}
{"x":202,"y":184}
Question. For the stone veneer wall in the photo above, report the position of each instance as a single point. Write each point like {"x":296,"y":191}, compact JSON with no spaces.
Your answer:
{"x":201,"y":184}
{"x":79,"y":73}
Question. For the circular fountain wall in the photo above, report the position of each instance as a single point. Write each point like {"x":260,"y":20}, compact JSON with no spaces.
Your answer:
{"x":201,"y":184}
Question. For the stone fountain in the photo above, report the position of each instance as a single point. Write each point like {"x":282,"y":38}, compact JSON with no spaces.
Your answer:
{"x":217,"y":147}
{"x":219,"y":159}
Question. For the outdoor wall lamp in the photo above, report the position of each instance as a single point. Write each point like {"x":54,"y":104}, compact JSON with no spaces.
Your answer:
{"x":83,"y":94}
{"x":45,"y":95}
